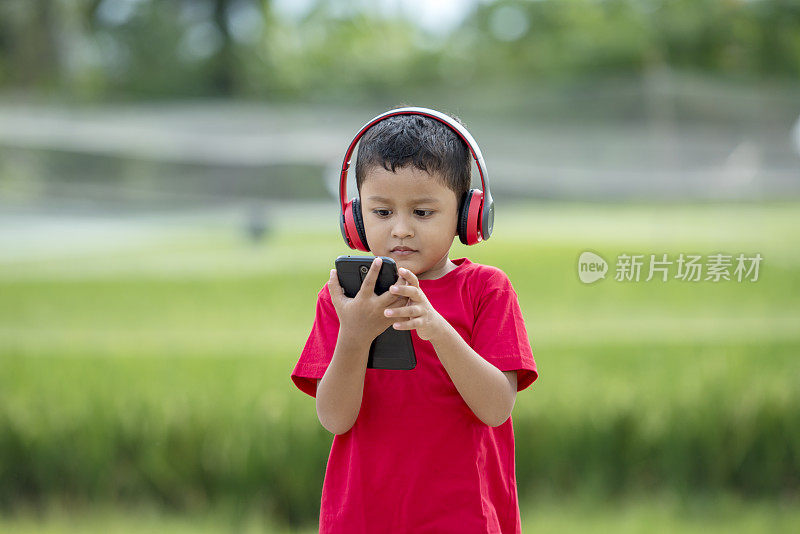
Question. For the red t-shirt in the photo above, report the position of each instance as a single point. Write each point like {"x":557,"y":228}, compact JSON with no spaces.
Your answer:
{"x":417,"y":459}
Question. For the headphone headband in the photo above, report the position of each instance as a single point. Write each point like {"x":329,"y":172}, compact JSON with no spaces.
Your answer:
{"x":488,"y":202}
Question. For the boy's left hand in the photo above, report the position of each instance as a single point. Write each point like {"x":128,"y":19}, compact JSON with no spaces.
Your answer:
{"x":422,"y":317}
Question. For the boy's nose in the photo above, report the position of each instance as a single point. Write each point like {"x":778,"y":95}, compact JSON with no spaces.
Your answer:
{"x":402,"y":229}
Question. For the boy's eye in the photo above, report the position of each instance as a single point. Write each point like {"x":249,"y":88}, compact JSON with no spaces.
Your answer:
{"x":423,"y":213}
{"x":381,"y":213}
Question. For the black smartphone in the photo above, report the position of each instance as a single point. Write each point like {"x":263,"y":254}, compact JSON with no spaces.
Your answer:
{"x":392,"y":349}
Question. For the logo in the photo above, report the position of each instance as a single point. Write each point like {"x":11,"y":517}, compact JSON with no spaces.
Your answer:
{"x":591,"y":267}
{"x":690,"y":267}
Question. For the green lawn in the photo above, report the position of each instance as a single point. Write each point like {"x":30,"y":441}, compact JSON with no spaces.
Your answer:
{"x":703,"y":515}
{"x":159,"y":373}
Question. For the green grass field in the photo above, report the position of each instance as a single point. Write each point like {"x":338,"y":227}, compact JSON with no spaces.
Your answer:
{"x":157,"y":376}
{"x":721,"y":514}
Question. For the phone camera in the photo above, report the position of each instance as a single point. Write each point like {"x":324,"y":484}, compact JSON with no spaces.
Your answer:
{"x":364,"y":269}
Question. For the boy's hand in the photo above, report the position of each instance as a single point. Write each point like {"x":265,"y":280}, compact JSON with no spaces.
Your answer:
{"x":422,"y":316}
{"x":362,"y":317}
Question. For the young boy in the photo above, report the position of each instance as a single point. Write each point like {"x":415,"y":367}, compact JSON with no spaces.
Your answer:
{"x":427,"y":450}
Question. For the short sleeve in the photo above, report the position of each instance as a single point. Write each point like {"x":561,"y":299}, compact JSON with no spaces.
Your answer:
{"x":318,"y":350}
{"x":499,"y":334}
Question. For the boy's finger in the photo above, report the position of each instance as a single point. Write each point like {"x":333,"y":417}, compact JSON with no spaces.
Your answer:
{"x":390,"y":299}
{"x":414,"y":310}
{"x":412,"y":292}
{"x":408,"y":276}
{"x":368,"y":284}
{"x":335,"y":289}
{"x":412,"y":324}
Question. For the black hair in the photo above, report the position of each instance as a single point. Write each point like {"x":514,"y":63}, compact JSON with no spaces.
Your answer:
{"x":426,"y":143}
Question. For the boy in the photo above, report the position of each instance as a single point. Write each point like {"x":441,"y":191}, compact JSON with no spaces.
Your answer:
{"x":429,"y":449}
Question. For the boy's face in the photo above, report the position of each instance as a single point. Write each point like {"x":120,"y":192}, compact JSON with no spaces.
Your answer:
{"x":409,"y":209}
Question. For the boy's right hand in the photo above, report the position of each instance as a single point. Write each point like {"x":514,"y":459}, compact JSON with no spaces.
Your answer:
{"x":362,"y":317}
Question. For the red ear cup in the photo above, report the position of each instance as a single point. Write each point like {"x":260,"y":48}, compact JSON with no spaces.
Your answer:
{"x":469,"y":217}
{"x":352,"y":225}
{"x":359,"y":220}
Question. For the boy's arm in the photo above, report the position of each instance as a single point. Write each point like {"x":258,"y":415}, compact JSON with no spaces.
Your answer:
{"x":361,"y":319}
{"x":341,"y":388}
{"x":338,"y":410}
{"x":489,"y":392}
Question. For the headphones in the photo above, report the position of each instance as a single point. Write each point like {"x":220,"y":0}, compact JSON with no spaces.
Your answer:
{"x":476,"y":209}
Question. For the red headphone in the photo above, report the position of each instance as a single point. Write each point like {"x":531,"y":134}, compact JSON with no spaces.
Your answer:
{"x":476,"y":209}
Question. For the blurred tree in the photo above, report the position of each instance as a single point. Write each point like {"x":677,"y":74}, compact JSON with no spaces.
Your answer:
{"x":29,"y":42}
{"x":223,"y":63}
{"x":347,"y":49}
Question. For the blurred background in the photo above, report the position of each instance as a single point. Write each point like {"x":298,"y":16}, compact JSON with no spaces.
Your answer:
{"x":168,"y":214}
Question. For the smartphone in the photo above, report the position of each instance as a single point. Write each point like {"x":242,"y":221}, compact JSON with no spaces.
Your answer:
{"x":392,"y":349}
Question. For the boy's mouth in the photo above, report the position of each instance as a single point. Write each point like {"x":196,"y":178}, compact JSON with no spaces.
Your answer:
{"x":403,"y":251}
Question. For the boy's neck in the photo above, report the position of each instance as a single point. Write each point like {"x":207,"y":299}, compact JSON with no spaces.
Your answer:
{"x":438,"y":272}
